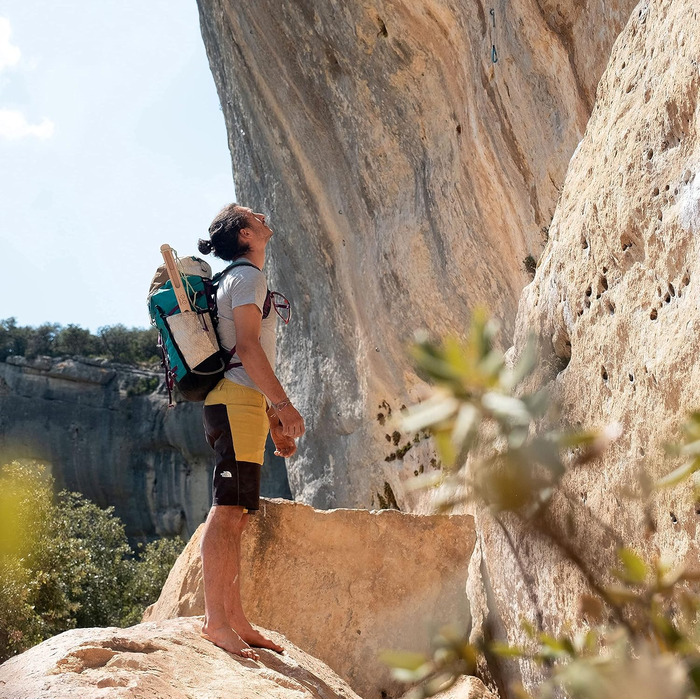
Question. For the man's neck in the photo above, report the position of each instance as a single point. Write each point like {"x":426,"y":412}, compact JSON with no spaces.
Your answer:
{"x":257,"y":257}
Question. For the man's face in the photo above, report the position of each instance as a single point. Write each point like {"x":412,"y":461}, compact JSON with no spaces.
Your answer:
{"x":257,"y":226}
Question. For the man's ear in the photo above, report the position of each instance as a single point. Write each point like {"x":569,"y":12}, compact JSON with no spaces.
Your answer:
{"x":245,"y":232}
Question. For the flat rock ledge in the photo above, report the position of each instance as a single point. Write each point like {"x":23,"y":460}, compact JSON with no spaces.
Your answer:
{"x":167,"y":659}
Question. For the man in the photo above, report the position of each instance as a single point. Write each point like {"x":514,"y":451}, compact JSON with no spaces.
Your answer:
{"x":237,"y":419}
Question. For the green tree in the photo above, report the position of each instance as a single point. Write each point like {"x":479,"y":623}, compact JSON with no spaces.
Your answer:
{"x":146,"y":341}
{"x":74,"y":340}
{"x":35,"y":584}
{"x":148,"y":575}
{"x":65,"y":562}
{"x":41,"y":340}
{"x":13,"y":338}
{"x":95,"y":542}
{"x":127,"y":345}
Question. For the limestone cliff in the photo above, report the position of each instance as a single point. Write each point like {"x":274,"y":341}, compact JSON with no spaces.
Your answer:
{"x":409,"y":156}
{"x":616,"y":303}
{"x":109,"y":434}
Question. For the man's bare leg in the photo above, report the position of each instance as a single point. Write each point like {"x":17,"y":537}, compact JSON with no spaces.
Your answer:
{"x":234,"y":608}
{"x":219,"y":558}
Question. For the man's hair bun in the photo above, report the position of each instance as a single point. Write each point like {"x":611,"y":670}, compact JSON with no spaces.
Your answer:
{"x":205,"y":246}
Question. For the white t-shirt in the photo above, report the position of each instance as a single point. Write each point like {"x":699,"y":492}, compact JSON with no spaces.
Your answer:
{"x":244,"y":285}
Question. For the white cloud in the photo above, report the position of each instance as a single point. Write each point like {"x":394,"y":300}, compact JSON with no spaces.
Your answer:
{"x":14,"y":125}
{"x":9,"y":54}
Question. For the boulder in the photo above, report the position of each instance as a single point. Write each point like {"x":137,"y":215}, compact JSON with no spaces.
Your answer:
{"x":167,"y":659}
{"x":342,"y":584}
{"x":409,"y":157}
{"x":615,"y":305}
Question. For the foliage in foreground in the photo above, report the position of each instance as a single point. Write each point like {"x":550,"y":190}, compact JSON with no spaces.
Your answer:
{"x":116,"y":343}
{"x":642,"y":639}
{"x":65,"y":562}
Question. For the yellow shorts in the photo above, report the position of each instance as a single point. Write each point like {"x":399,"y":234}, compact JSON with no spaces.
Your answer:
{"x":247,"y":416}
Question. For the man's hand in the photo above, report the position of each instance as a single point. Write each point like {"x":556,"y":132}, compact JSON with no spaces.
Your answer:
{"x":292,"y":422}
{"x":285,"y":445}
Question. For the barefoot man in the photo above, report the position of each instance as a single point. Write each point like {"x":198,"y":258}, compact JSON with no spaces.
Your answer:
{"x":238,"y":413}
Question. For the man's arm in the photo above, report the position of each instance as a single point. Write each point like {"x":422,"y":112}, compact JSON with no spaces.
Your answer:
{"x":248,"y":320}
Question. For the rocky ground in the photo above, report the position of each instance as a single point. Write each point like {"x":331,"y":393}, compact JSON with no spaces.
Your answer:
{"x":167,"y":659}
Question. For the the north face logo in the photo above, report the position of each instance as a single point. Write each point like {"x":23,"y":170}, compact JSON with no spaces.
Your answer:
{"x":228,"y":475}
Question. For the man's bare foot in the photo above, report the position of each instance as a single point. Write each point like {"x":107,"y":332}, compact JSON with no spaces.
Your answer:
{"x":251,"y":636}
{"x":229,"y":640}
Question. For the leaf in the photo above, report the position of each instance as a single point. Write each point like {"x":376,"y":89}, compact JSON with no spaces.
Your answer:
{"x":692,"y":448}
{"x":665,"y":629}
{"x":669,"y":578}
{"x":677,"y":475}
{"x":601,"y":441}
{"x":634,"y":568}
{"x":620,"y":596}
{"x":537,"y":403}
{"x":409,"y":660}
{"x":445,"y":447}
{"x":480,"y":336}
{"x":507,"y":651}
{"x":580,"y":438}
{"x":545,"y":452}
{"x":435,"y":410}
{"x":465,"y":426}
{"x":510,"y":378}
{"x":434,"y":367}
{"x":424,"y":481}
{"x":491,"y":367}
{"x":404,"y":675}
{"x":507,"y":408}
{"x":528,"y":628}
{"x":551,"y":646}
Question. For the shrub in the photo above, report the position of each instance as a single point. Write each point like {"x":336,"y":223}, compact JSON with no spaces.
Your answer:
{"x":642,"y":638}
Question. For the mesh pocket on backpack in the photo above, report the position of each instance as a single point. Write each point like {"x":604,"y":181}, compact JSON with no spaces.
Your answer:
{"x":194,"y":337}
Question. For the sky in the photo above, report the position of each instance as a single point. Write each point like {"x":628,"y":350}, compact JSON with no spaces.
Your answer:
{"x":112,"y":142}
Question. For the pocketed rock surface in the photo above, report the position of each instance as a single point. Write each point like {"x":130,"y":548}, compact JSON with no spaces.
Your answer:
{"x":167,"y":659}
{"x":616,"y":303}
{"x":343,"y":585}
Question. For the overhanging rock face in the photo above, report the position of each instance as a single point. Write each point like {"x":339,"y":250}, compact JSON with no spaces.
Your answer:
{"x":407,"y":176}
{"x":616,"y":302}
{"x":343,"y":585}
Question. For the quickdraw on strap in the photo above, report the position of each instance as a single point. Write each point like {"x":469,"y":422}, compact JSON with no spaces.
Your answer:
{"x":169,"y":377}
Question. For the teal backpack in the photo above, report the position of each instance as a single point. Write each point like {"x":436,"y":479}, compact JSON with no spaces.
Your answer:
{"x":186,"y":317}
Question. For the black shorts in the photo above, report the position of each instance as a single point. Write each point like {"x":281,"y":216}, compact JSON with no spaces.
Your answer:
{"x":235,"y":483}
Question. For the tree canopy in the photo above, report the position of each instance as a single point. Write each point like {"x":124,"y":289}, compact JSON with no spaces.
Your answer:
{"x":116,"y":343}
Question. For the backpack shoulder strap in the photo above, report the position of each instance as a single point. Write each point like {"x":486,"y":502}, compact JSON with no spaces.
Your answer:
{"x":236,"y":263}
